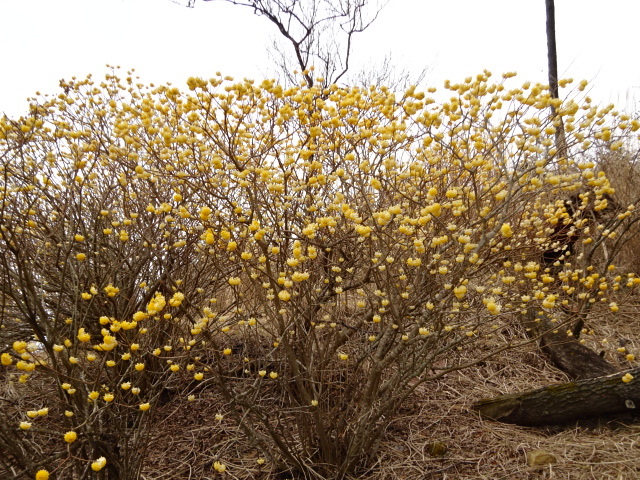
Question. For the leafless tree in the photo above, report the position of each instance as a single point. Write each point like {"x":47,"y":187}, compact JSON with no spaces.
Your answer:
{"x":320,"y":33}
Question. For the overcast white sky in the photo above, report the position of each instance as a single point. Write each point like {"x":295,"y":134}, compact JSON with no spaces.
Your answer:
{"x":46,"y":40}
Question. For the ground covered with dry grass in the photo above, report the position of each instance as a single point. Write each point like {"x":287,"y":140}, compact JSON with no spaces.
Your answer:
{"x":437,"y":435}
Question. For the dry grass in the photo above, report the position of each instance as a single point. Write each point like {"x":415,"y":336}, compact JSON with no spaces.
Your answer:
{"x":481,"y":449}
{"x":189,"y":439}
{"x":623,"y":170}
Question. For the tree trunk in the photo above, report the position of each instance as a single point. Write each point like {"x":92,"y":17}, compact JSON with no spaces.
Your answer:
{"x":552,"y":59}
{"x":552,"y":53}
{"x":566,"y":402}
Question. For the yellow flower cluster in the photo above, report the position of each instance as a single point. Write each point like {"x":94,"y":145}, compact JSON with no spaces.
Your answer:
{"x":99,"y":464}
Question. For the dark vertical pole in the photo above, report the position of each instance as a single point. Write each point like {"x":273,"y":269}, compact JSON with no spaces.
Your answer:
{"x":552,"y":58}
{"x":552,"y":54}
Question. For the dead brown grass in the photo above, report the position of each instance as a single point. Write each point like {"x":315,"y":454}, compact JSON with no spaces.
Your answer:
{"x":189,"y":439}
{"x":622,"y":168}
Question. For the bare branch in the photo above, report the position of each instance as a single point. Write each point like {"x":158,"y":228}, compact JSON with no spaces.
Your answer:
{"x":320,"y":32}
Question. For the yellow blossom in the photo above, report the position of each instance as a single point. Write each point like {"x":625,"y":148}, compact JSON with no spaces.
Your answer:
{"x":6,"y":359}
{"x":205,"y":212}
{"x":177,"y":299}
{"x":139,"y":316}
{"x":99,"y":464}
{"x":19,"y":346}
{"x":493,"y":307}
{"x":156,"y":304}
{"x":108,"y":343}
{"x":363,"y":230}
{"x":70,"y":437}
{"x":549,"y":301}
{"x":505,"y":230}
{"x":83,"y":336}
{"x":284,"y":295}
{"x":42,"y":475}
{"x":299,"y":276}
{"x":460,"y":291}
{"x":435,"y":210}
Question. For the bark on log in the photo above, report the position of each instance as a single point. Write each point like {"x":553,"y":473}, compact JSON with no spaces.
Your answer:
{"x":566,"y":402}
{"x":566,"y":352}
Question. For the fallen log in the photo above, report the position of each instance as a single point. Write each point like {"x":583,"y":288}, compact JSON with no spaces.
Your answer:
{"x":565,"y":351}
{"x":567,"y":401}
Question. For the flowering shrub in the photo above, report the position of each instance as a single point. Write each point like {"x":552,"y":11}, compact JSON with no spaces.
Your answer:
{"x":312,"y":253}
